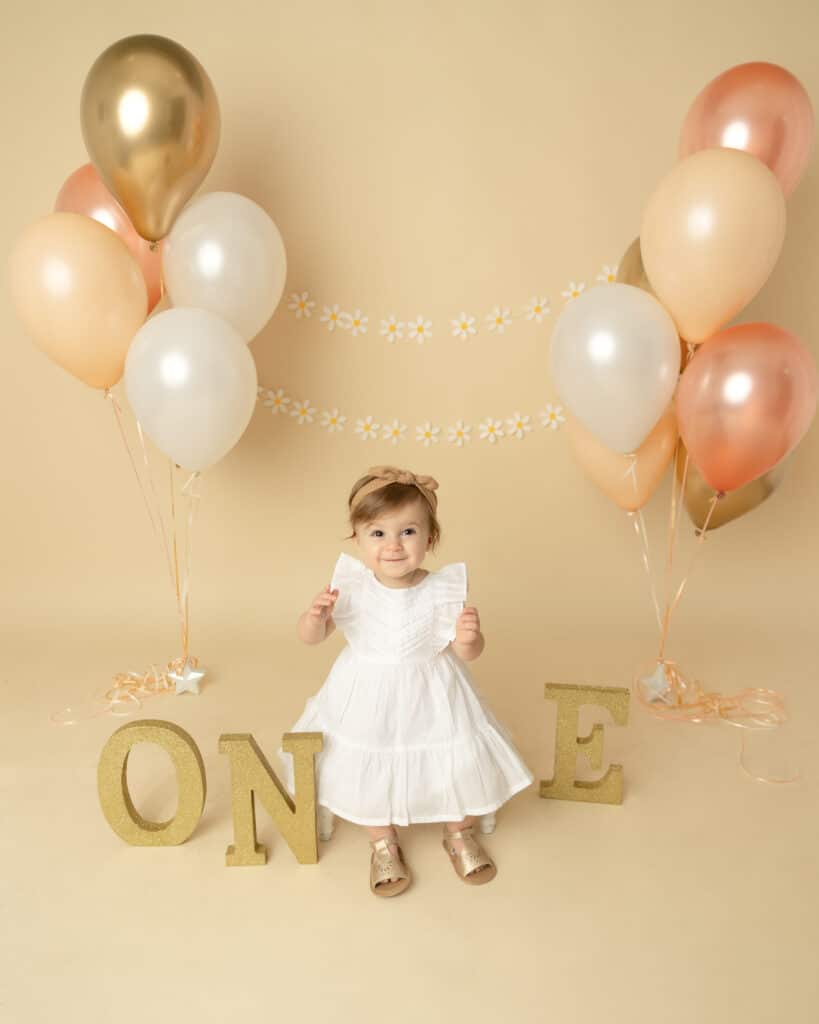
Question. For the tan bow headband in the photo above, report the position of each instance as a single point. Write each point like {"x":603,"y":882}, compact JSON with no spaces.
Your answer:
{"x":383,"y":476}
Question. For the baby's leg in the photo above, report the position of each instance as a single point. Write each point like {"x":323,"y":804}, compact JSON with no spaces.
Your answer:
{"x":326,"y":821}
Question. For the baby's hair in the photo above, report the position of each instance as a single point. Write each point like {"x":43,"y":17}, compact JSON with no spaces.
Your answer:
{"x":389,"y":498}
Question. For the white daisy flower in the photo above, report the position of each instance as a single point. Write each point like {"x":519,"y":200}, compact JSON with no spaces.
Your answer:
{"x":303,"y":411}
{"x":333,"y":317}
{"x":536,"y":309}
{"x":463,"y":326}
{"x":301,"y":304}
{"x":427,"y":434}
{"x":277,"y":401}
{"x":419,"y":330}
{"x":332,"y":421}
{"x":355,"y":322}
{"x":459,"y":434}
{"x":491,"y":430}
{"x":366,"y":428}
{"x":573,"y":290}
{"x":394,"y":431}
{"x":392,"y":329}
{"x":498,"y":320}
{"x":519,"y":426}
{"x":608,"y":275}
{"x":552,"y":416}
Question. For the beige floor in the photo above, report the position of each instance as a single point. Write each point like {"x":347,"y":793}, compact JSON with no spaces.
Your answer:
{"x":693,"y":901}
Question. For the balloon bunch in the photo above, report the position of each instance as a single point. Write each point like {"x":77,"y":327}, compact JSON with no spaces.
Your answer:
{"x":121,"y":238}
{"x":710,"y":236}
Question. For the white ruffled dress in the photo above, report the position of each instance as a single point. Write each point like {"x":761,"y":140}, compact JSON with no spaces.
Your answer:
{"x":407,"y":737}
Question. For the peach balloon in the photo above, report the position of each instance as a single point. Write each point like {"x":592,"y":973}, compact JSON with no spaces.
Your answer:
{"x":79,"y":294}
{"x":629,"y":480}
{"x":711,"y":235}
{"x":745,"y":400}
{"x":84,"y":192}
{"x":757,"y":107}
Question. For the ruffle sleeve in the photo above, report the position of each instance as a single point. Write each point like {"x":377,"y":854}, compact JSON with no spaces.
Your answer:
{"x":450,"y":591}
{"x":348,"y":577}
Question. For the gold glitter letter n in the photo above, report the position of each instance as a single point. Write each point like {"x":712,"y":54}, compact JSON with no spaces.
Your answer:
{"x":251,"y":776}
{"x":563,"y":785}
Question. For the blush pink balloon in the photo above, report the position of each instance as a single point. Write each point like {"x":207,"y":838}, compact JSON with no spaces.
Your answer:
{"x":744,"y":401}
{"x":757,"y":107}
{"x":84,"y":192}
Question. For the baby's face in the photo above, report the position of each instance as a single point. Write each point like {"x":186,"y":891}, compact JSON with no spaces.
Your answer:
{"x":396,"y":543}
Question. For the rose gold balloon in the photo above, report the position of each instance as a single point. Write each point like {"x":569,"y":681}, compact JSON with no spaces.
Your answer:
{"x":710,"y":237}
{"x":698,"y":495}
{"x":629,"y":480}
{"x":760,"y":108}
{"x":79,"y":294}
{"x":84,"y":192}
{"x":744,"y":401}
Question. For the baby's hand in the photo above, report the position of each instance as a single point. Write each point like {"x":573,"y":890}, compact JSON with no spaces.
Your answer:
{"x":468,"y":626}
{"x":322,"y":607}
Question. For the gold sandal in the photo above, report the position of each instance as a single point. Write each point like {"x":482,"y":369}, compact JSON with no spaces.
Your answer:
{"x":472,"y":857}
{"x":384,"y":864}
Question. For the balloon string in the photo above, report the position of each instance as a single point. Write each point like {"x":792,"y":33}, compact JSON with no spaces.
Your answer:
{"x":681,"y":700}
{"x":127,"y":693}
{"x":191,"y":492}
{"x":159,"y":530}
{"x":179,"y":605}
{"x":642,"y":535}
{"x":672,"y":540}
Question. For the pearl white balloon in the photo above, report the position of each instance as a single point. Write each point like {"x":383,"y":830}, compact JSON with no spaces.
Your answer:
{"x":225,"y":254}
{"x":192,"y":384}
{"x":615,"y":359}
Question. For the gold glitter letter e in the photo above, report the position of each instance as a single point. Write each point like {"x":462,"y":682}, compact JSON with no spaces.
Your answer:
{"x":564,"y":786}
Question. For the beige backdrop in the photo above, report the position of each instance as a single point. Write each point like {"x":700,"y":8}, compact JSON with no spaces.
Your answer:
{"x":419,"y":159}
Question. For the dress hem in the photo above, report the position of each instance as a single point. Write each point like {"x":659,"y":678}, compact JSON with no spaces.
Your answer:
{"x":372,"y":822}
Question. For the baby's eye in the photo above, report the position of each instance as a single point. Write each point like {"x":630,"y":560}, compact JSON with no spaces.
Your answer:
{"x":410,"y":529}
{"x":377,"y":533}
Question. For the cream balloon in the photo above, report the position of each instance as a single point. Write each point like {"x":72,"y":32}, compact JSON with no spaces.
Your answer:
{"x":192,"y":384}
{"x":629,"y":480}
{"x":615,"y":359}
{"x":711,"y":235}
{"x":226,"y":255}
{"x":80,"y":295}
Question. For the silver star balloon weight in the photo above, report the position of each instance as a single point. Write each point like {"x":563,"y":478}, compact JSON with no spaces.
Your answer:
{"x":187,"y":678}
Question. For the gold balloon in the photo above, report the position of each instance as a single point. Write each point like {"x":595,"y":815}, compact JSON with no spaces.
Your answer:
{"x":150,"y":120}
{"x":563,"y":785}
{"x":630,"y":270}
{"x":698,"y":495}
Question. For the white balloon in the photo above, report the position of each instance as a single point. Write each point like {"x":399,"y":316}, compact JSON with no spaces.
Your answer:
{"x":615,"y":357}
{"x":225,"y":254}
{"x":192,"y":384}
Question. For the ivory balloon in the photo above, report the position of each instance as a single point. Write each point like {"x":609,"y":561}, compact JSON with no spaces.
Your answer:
{"x":629,"y":480}
{"x":615,"y":360}
{"x":226,"y":255}
{"x":698,"y":495}
{"x":757,"y":107}
{"x":711,"y":234}
{"x":84,"y":192}
{"x":191,"y":382}
{"x":79,"y":294}
{"x":150,"y":121}
{"x":745,"y":400}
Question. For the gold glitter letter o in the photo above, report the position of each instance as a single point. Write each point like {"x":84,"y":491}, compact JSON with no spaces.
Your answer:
{"x":112,"y":783}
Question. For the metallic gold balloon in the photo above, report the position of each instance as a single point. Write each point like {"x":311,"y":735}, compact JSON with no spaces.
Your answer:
{"x":630,"y":270}
{"x":563,"y":785}
{"x":150,"y":120}
{"x":698,"y":494}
